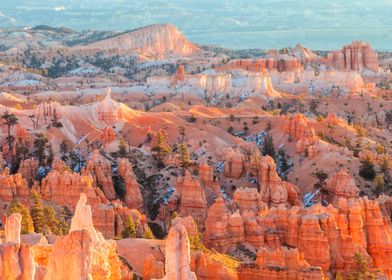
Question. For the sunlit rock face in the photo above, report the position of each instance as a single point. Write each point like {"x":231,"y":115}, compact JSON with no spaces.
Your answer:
{"x":133,"y":197}
{"x":193,"y":200}
{"x":64,"y":189}
{"x":71,"y":257}
{"x":342,"y":185}
{"x":160,"y":40}
{"x":13,"y":228}
{"x":282,"y":263}
{"x":274,"y":61}
{"x":13,"y":186}
{"x":99,"y":168}
{"x":84,"y":249}
{"x":357,"y":56}
{"x":16,"y":259}
{"x":298,"y":129}
{"x":47,"y":111}
{"x":108,"y":135}
{"x":178,"y":258}
{"x":108,"y":110}
{"x":325,"y":237}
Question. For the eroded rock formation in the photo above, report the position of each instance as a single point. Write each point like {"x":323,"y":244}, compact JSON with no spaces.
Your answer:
{"x":133,"y":197}
{"x":177,"y":260}
{"x":64,"y":189}
{"x":357,"y":56}
{"x":298,"y":129}
{"x":101,"y":171}
{"x":282,"y":263}
{"x":193,"y":201}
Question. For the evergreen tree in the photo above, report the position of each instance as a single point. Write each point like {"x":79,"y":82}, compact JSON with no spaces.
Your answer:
{"x":283,"y":166}
{"x":338,"y":276}
{"x":10,"y":120}
{"x":27,"y":223}
{"x":50,"y":221}
{"x":268,"y":147}
{"x":122,"y":148}
{"x":161,"y":147}
{"x":388,"y":118}
{"x":380,"y":183}
{"x":246,"y":128}
{"x":321,"y":179}
{"x":50,"y":155}
{"x":366,"y":170}
{"x":147,"y":234}
{"x":181,"y":131}
{"x":63,"y":225}
{"x":184,"y":157}
{"x":40,"y":146}
{"x":363,"y":269}
{"x":64,"y":148}
{"x":37,"y":212}
{"x":129,"y":228}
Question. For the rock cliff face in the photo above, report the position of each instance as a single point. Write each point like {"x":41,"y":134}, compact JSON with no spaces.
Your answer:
{"x":358,"y":56}
{"x":272,"y":62}
{"x":13,"y":186}
{"x":207,"y":177}
{"x":16,"y":260}
{"x":327,"y":237}
{"x":64,"y":189}
{"x":104,"y":261}
{"x":193,"y":201}
{"x":99,"y":168}
{"x":179,"y":77}
{"x":282,"y":263}
{"x":28,"y":169}
{"x":133,"y":197}
{"x":177,"y":260}
{"x":83,"y":253}
{"x":71,"y":257}
{"x":342,"y":185}
{"x":298,"y":129}
{"x":234,"y":163}
{"x":108,"y":135}
{"x":223,"y":229}
{"x":155,"y":40}
{"x":12,"y":228}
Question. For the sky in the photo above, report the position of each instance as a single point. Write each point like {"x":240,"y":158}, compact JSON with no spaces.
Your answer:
{"x":317,"y":24}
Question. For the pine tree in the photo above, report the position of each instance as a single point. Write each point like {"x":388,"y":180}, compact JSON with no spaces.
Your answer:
{"x":27,"y":223}
{"x":184,"y":157}
{"x":37,"y":212}
{"x":160,"y":146}
{"x":147,"y":234}
{"x":364,"y":270}
{"x":51,"y":155}
{"x":181,"y":131}
{"x":10,"y":120}
{"x":122,"y":148}
{"x":366,"y":170}
{"x":283,"y":165}
{"x":245,"y":128}
{"x":40,"y":145}
{"x":50,"y":221}
{"x":338,"y":276}
{"x":63,"y":225}
{"x":268,"y":147}
{"x":380,"y":183}
{"x":64,"y":147}
{"x":129,"y":228}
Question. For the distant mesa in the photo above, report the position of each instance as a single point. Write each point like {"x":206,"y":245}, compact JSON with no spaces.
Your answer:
{"x":156,"y":40}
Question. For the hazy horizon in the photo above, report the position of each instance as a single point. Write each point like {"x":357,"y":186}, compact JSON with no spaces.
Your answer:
{"x":318,"y":24}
